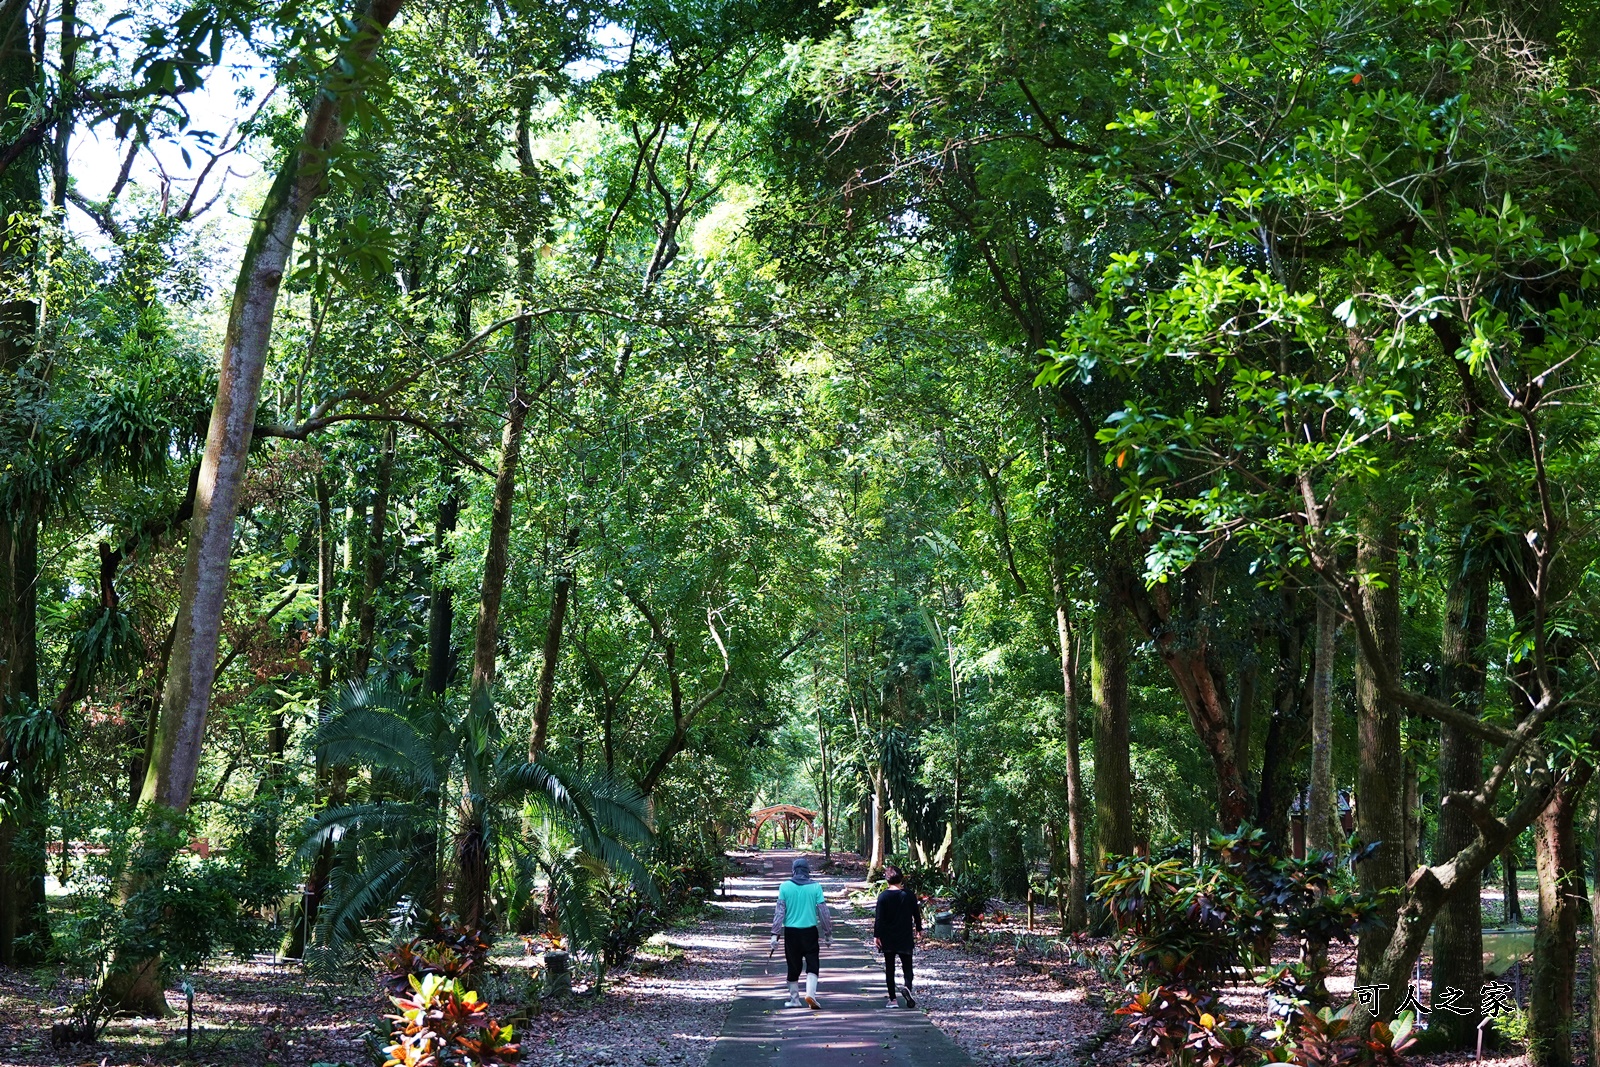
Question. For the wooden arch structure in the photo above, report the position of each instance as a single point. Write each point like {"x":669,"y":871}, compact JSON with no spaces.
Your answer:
{"x":787,"y":817}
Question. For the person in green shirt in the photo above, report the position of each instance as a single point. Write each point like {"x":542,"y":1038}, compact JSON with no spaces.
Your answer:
{"x":802,"y":920}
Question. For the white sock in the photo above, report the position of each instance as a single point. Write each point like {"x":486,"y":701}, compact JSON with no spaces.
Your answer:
{"x":811,"y":985}
{"x":794,"y":990}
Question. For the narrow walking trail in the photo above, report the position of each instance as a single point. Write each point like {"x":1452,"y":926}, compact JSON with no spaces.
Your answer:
{"x":853,"y":1029}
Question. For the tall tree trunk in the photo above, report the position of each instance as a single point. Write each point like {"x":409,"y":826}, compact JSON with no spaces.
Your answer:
{"x":1183,"y":643}
{"x":1321,"y":833}
{"x":376,"y":562}
{"x":134,"y":984}
{"x":880,"y":827}
{"x":303,"y":916}
{"x":1512,"y":906}
{"x":822,"y":755}
{"x":1244,"y":710}
{"x":1077,"y":916}
{"x":1458,"y":931}
{"x":325,"y":538}
{"x":560,"y":594}
{"x":1113,"y":775}
{"x":1594,"y":936}
{"x":21,"y":844}
{"x":1380,"y":808}
{"x":441,"y":604}
{"x":1413,"y":813}
{"x":1555,"y":938}
{"x":66,"y":108}
{"x":24,"y":930}
{"x":355,"y":533}
{"x":1288,"y":729}
{"x":1430,"y":888}
{"x":496,"y":559}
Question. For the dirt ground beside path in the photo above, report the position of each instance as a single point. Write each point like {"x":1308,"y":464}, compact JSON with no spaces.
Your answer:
{"x":666,"y":1018}
{"x":259,"y":1012}
{"x":1007,"y":1010}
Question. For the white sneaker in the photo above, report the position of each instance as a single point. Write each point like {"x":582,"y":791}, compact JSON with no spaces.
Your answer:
{"x":813,"y":1003}
{"x":906,"y":999}
{"x":793,"y":1001}
{"x":891,"y":1003}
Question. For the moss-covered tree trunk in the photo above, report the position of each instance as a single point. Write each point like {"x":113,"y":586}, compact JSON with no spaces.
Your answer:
{"x":1555,"y":939}
{"x":1321,"y":826}
{"x":1380,"y":782}
{"x":1113,"y":774}
{"x":133,"y":981}
{"x":1458,"y":931}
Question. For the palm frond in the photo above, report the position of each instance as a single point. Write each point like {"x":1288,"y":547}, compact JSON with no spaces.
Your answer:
{"x":397,"y":817}
{"x":576,"y":885}
{"x":359,"y":891}
{"x":380,"y":739}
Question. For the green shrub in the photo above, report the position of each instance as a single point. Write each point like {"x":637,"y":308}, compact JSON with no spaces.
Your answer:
{"x":925,"y":880}
{"x":144,"y":898}
{"x":969,"y":895}
{"x":1185,"y":928}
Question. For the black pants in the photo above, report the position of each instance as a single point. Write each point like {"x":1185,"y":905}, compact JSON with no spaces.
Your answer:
{"x":800,"y":945}
{"x":888,"y":968}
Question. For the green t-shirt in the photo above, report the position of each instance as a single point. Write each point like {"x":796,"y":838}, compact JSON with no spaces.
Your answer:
{"x":800,"y":903}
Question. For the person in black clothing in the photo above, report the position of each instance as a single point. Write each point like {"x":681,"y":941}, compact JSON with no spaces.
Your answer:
{"x":895,"y":923}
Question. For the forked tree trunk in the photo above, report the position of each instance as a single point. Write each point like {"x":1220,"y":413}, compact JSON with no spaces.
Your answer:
{"x":1113,"y":775}
{"x":1430,"y":888}
{"x":1458,"y":932}
{"x":1380,"y":810}
{"x":134,"y":984}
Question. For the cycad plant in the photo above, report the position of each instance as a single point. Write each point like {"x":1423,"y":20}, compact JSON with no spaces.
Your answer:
{"x":448,"y":802}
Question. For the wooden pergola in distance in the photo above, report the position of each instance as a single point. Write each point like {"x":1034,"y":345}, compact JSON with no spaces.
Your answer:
{"x":787,"y":816}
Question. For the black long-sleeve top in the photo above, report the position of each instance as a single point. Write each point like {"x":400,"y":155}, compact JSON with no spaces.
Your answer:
{"x":897,"y":915}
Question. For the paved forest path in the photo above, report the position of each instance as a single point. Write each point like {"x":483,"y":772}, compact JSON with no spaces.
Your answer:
{"x":853,"y":1029}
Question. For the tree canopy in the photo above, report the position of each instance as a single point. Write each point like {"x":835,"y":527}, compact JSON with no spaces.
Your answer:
{"x":462,"y":458}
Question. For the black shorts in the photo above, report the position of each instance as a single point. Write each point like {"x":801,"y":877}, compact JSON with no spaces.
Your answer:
{"x":801,"y":945}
